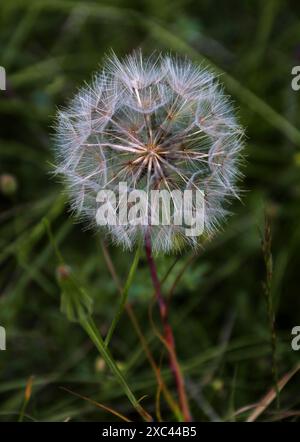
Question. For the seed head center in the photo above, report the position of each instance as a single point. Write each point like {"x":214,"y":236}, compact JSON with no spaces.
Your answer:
{"x":151,"y":148}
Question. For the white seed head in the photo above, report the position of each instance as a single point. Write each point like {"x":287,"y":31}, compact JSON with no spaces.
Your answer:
{"x":155,"y":123}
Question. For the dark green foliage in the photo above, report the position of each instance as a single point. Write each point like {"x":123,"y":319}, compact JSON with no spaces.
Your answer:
{"x":218,"y":309}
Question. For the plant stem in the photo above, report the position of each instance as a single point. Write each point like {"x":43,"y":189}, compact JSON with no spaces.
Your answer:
{"x":168,"y":334}
{"x":90,"y":328}
{"x":124,"y":296}
{"x":172,"y":403}
{"x":267,"y":286}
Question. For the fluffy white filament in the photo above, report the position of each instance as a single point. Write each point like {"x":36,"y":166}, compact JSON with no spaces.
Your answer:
{"x":156,"y":123}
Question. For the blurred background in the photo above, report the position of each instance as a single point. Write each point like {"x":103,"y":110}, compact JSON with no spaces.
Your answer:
{"x":223,"y":299}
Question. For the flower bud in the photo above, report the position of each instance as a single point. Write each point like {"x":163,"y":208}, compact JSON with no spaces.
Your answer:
{"x":8,"y":184}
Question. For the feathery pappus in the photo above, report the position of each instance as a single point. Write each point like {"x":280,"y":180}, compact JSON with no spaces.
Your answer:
{"x":156,"y":123}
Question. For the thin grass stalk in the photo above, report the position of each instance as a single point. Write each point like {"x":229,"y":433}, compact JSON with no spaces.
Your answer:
{"x":168,"y":334}
{"x":90,"y":328}
{"x":124,"y":296}
{"x":267,"y":287}
{"x":172,"y":403}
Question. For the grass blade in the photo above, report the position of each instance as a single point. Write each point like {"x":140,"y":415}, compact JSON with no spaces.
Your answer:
{"x":124,"y":296}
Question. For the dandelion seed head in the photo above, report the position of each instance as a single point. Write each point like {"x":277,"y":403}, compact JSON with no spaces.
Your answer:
{"x":157,"y":122}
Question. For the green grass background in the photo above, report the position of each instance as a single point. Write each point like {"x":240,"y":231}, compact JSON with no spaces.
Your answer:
{"x":218,"y":310}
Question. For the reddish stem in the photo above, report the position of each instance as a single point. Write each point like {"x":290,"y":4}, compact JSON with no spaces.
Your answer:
{"x":168,"y":334}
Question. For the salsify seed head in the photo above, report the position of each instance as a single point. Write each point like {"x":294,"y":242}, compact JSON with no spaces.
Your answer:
{"x":158,"y":122}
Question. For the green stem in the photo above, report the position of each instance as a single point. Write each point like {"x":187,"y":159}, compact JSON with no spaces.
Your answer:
{"x":90,"y":328}
{"x":124,"y":296}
